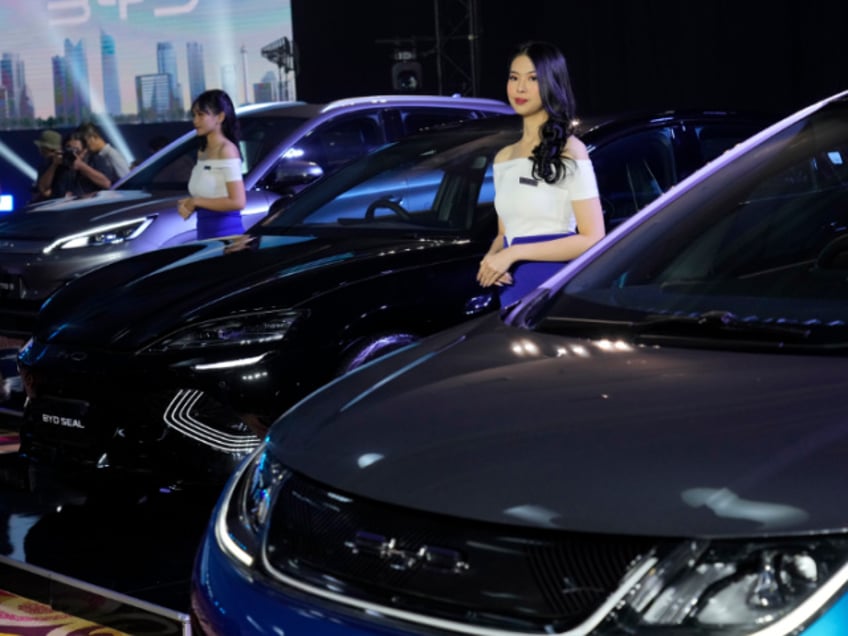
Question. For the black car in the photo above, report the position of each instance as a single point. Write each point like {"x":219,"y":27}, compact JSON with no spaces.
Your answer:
{"x":175,"y":361}
{"x":651,"y":443}
{"x":286,"y":147}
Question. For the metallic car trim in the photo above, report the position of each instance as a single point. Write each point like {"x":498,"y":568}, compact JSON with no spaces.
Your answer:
{"x":584,"y":629}
{"x":178,"y":417}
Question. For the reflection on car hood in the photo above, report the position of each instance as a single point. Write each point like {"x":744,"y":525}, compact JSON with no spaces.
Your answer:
{"x":126,"y":304}
{"x":565,"y":433}
{"x":53,"y":219}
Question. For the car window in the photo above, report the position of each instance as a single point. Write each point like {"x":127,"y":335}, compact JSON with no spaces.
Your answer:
{"x":412,"y":185}
{"x":714,"y":138}
{"x":633,"y":171}
{"x":770,"y":245}
{"x":170,"y":169}
{"x":338,"y":142}
{"x":433,"y":195}
{"x":415,"y":120}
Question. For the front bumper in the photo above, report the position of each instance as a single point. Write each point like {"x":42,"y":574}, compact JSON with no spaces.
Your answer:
{"x":226,"y":600}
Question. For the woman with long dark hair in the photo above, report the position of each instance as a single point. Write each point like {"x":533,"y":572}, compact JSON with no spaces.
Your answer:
{"x":216,"y":185}
{"x":546,"y":195}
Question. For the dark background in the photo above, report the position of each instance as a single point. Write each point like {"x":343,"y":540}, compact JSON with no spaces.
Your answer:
{"x":772,"y":56}
{"x":775,"y":56}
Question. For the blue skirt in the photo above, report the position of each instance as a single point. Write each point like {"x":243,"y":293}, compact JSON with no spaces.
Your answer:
{"x":528,"y":275}
{"x":212,"y":224}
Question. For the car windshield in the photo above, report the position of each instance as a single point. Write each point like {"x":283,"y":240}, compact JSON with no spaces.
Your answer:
{"x":436,"y":182}
{"x":755,"y":252}
{"x":170,"y":169}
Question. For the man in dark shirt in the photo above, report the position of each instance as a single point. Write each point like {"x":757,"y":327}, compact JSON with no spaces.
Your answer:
{"x":102,"y":165}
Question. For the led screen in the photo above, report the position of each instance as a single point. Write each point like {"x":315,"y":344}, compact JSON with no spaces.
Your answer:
{"x":138,"y":60}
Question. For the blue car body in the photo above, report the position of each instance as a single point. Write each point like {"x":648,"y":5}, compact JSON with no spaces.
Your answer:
{"x":652,"y":442}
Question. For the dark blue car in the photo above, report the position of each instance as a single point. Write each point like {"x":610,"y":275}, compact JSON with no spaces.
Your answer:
{"x":652,"y":443}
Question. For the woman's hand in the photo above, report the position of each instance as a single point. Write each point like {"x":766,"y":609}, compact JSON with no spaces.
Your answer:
{"x":185,"y":207}
{"x":494,"y":269}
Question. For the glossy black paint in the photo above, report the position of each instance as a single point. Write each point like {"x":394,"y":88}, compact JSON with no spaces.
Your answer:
{"x":285,"y":147}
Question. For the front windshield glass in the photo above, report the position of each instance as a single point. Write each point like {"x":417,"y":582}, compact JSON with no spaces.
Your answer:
{"x":170,"y":168}
{"x":763,"y":241}
{"x":436,"y":182}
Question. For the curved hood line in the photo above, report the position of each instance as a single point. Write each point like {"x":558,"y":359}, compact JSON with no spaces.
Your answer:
{"x":661,"y":441}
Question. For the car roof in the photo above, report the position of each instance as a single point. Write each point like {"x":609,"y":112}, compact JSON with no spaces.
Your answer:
{"x":608,"y":124}
{"x":628,"y":118}
{"x":312,"y":109}
{"x":420,"y":100}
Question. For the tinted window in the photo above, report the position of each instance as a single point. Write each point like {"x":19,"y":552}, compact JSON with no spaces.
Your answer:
{"x":338,"y":142}
{"x":633,"y":171}
{"x":714,"y":139}
{"x":767,"y":241}
{"x":170,"y":168}
{"x":421,"y":118}
{"x":432,"y":183}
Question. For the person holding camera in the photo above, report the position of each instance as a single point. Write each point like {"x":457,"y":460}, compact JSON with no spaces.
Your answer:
{"x":102,"y":165}
{"x":57,"y":177}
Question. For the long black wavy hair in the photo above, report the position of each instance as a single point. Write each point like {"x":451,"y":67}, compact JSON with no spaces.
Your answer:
{"x":558,"y":101}
{"x":214,"y":102}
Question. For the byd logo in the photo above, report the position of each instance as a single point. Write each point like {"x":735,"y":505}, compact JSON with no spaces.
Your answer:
{"x":398,"y":558}
{"x":58,"y":420}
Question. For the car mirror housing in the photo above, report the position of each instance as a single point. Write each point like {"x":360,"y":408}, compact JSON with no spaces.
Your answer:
{"x":292,"y":173}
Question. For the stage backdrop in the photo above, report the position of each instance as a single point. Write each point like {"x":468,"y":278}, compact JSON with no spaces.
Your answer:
{"x":124,"y":62}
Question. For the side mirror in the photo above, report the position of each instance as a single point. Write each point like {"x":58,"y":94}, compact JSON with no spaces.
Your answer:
{"x":290,"y":175}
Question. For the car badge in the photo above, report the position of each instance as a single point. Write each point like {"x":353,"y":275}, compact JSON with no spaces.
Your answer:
{"x":388,"y":549}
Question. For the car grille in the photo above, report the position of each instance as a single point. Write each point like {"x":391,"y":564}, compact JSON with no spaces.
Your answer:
{"x":487,"y":575}
{"x":184,"y":433}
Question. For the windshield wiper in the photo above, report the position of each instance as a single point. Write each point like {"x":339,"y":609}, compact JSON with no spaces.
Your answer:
{"x":721,"y":321}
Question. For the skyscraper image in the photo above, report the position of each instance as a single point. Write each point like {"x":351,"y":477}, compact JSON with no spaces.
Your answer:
{"x":166,"y":64}
{"x":196,"y":73}
{"x":266,"y":90}
{"x":229,"y":79}
{"x":153,"y":93}
{"x":111,"y":81}
{"x":61,"y":88}
{"x":70,"y":84}
{"x":13,"y":80}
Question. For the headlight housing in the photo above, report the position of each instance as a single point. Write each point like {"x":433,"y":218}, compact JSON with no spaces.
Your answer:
{"x":102,"y":235}
{"x":238,"y":329}
{"x":770,"y":587}
{"x":246,"y":506}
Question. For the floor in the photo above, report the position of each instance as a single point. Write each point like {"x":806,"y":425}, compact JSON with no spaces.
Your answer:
{"x":142,"y":547}
{"x":21,"y":616}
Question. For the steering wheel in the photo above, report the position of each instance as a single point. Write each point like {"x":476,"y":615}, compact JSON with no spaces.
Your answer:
{"x":387,"y":203}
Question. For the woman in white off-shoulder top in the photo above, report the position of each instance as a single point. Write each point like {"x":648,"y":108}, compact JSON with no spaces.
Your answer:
{"x":546,"y":196}
{"x":216,"y":185}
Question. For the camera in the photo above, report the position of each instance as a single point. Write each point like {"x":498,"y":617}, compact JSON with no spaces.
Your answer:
{"x":69,"y":155}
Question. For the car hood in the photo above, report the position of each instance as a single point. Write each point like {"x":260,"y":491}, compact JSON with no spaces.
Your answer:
{"x":504,"y":425}
{"x":52,"y":219}
{"x":125,"y":304}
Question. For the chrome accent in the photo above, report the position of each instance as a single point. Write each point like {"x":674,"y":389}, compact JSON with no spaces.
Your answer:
{"x":430,"y":557}
{"x":584,"y":629}
{"x":177,"y":416}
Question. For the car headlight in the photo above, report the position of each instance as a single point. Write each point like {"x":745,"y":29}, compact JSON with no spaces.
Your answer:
{"x":234,"y":330}
{"x":735,"y":588}
{"x":247,"y":505}
{"x":102,"y":235}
